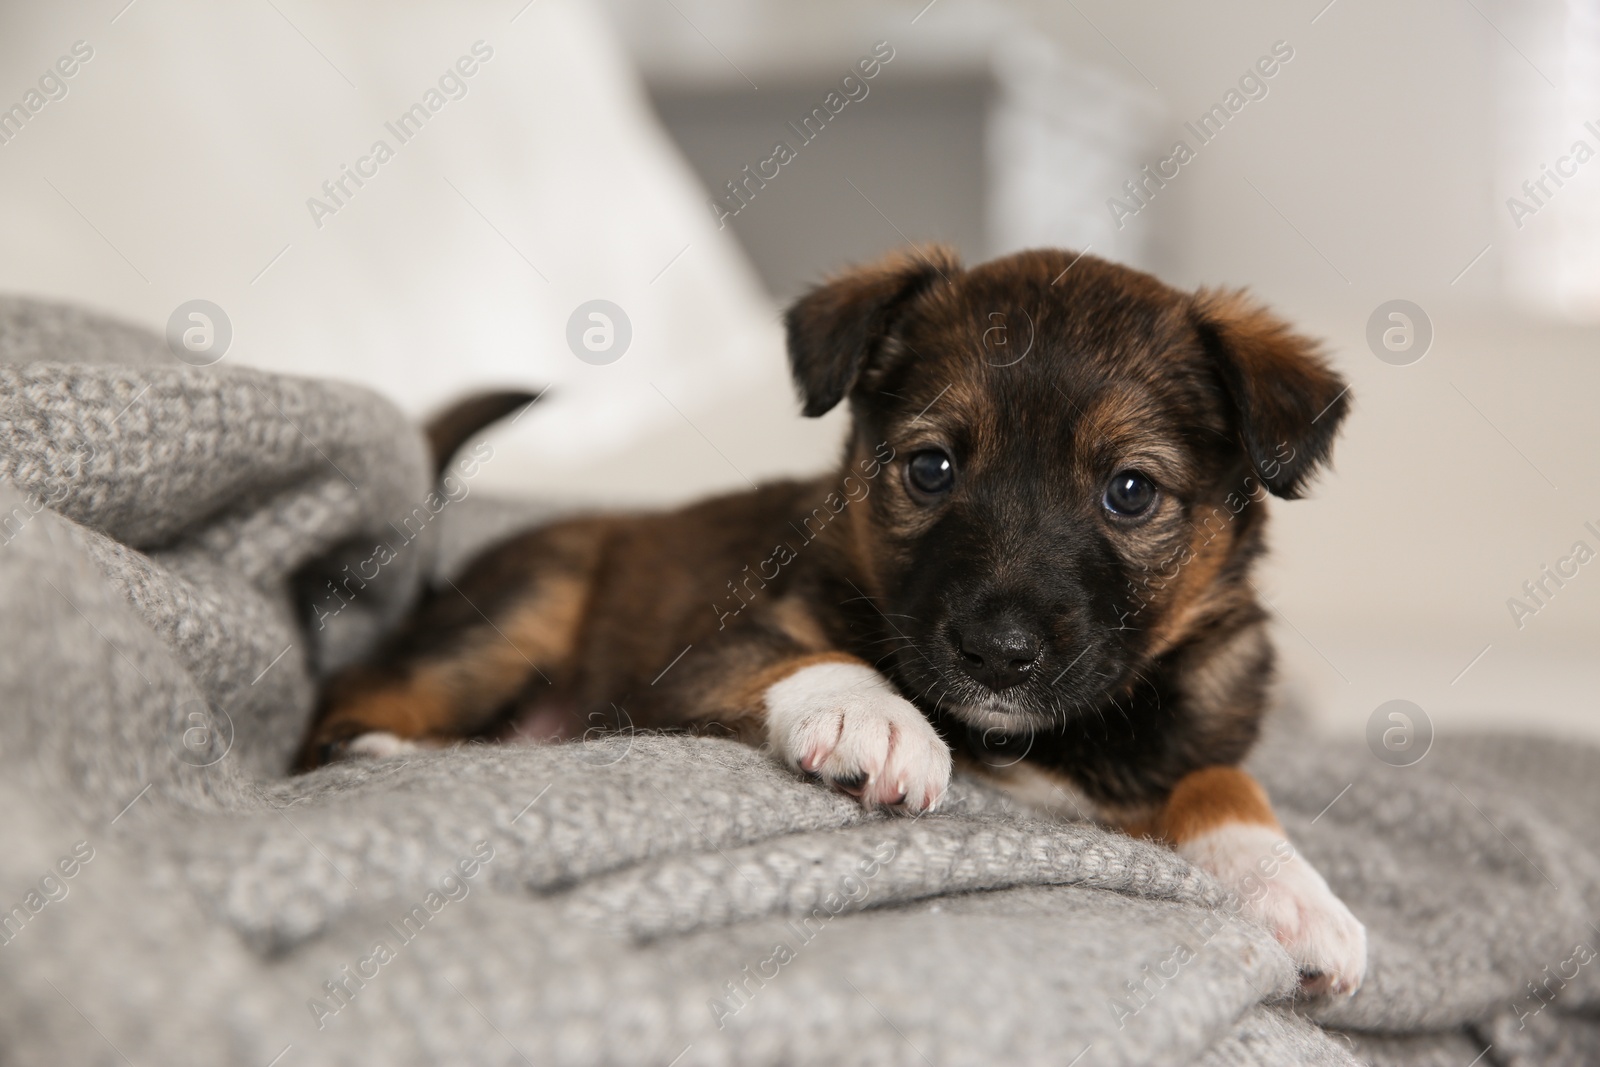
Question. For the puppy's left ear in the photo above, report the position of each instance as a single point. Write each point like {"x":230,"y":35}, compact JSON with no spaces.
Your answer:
{"x":835,"y":330}
{"x":1287,"y":400}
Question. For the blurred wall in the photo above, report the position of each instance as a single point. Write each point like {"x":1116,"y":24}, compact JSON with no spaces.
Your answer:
{"x":911,"y":148}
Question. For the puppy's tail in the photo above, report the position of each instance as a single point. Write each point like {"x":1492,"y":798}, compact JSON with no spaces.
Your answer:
{"x":460,"y":422}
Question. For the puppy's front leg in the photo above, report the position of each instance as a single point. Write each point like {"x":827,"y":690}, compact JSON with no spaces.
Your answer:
{"x":1219,"y":819}
{"x":826,"y":713}
{"x":833,"y":716}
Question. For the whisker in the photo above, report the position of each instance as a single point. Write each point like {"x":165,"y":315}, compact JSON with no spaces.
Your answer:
{"x":886,"y":656}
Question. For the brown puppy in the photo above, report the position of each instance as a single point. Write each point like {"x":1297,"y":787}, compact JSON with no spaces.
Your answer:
{"x":1036,"y":553}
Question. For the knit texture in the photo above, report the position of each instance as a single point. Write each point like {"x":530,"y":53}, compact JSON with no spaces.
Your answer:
{"x":167,"y":540}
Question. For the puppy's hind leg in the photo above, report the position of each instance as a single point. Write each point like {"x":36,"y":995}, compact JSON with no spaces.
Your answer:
{"x":465,"y":658}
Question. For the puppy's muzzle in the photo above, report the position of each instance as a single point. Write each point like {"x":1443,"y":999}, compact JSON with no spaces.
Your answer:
{"x":1000,"y":652}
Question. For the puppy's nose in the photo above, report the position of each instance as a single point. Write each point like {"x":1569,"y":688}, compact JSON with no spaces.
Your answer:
{"x":1000,"y":654}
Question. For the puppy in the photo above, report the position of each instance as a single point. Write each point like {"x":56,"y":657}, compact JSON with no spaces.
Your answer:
{"x":1036,"y":554}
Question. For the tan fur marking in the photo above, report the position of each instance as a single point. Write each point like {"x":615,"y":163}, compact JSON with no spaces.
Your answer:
{"x":540,"y":632}
{"x":1114,"y":416}
{"x":1203,"y":801}
{"x":449,"y":697}
{"x":1213,"y":797}
{"x":1213,"y":684}
{"x":758,"y":684}
{"x":965,"y":403}
{"x":863,"y":546}
{"x":739,"y":702}
{"x":545,"y":626}
{"x":408,"y":709}
{"x":791,"y":616}
{"x":1188,"y":598}
{"x":1119,"y":423}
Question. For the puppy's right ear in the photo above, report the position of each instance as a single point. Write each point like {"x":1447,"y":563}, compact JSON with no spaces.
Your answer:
{"x":1284,"y":393}
{"x":836,"y":329}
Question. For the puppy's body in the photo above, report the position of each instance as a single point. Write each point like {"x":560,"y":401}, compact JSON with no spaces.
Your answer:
{"x":1035,"y":553}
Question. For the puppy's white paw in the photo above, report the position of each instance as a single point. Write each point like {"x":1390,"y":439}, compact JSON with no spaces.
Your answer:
{"x":378,"y":744}
{"x":1280,"y":889}
{"x":845,"y":723}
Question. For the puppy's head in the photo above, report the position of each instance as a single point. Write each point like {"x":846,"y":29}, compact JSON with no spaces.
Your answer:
{"x":1081,"y":455}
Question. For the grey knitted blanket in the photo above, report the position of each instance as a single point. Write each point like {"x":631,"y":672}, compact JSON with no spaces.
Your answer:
{"x":169,"y":896}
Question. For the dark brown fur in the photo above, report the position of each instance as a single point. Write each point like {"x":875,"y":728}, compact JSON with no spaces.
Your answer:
{"x":1042,"y":374}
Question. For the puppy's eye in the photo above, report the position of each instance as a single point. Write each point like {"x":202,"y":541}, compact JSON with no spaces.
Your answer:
{"x":1130,"y":495}
{"x":931,"y":473}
